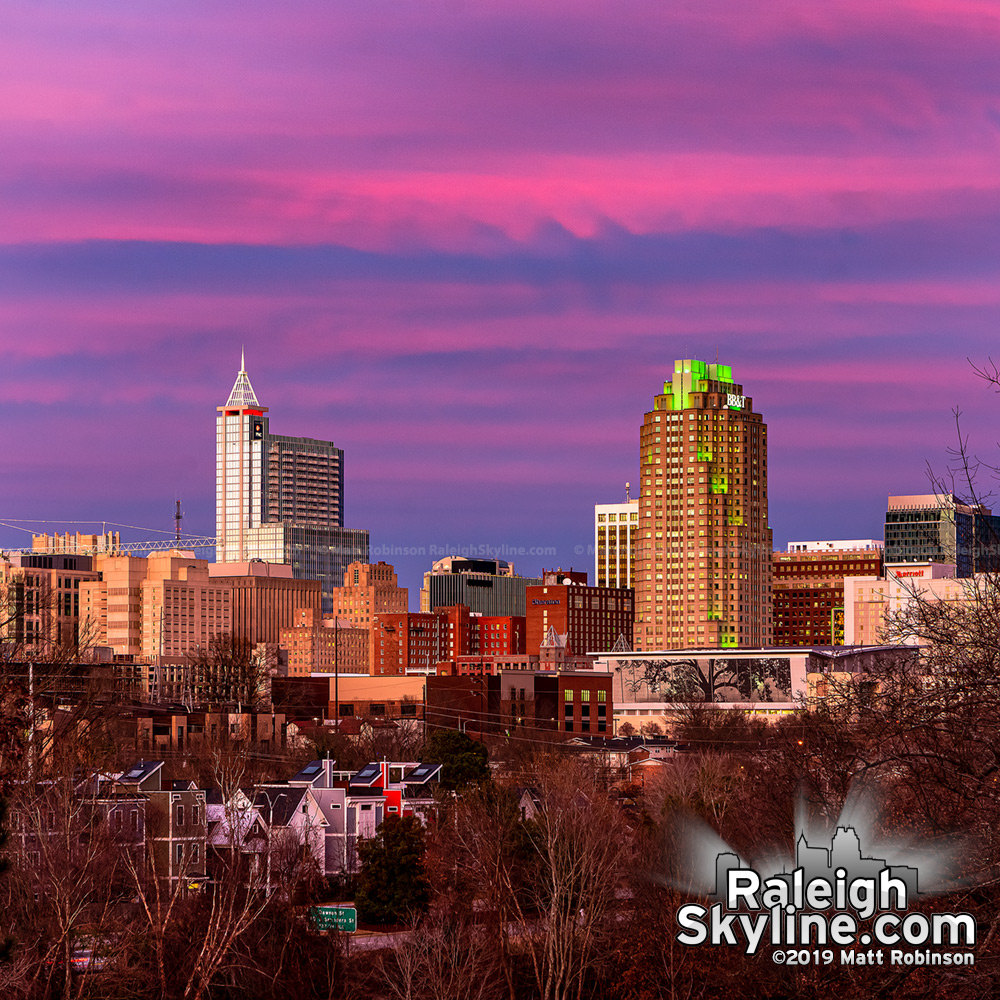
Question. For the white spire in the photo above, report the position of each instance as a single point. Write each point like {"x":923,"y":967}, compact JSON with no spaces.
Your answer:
{"x":242,"y":394}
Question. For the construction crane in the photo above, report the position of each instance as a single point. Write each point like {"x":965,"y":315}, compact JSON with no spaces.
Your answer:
{"x":123,"y":548}
{"x":108,"y":542}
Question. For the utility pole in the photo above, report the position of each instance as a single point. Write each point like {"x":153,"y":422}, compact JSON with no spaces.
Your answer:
{"x":31,"y":727}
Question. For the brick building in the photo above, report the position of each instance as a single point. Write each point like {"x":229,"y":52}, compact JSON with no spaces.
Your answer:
{"x":369,"y":589}
{"x":323,"y":644}
{"x":591,"y":618}
{"x":808,"y":587}
{"x":567,"y":702}
{"x":412,"y":642}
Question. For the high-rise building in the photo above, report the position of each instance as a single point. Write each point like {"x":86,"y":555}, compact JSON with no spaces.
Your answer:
{"x":938,"y":528}
{"x":703,"y":560}
{"x":162,"y":610}
{"x":280,"y":499}
{"x":615,"y":527}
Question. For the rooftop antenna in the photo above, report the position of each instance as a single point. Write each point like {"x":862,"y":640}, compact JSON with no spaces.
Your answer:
{"x":628,"y":486}
{"x":178,"y":516}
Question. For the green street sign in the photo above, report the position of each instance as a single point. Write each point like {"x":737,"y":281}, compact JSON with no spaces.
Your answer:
{"x":335,"y":918}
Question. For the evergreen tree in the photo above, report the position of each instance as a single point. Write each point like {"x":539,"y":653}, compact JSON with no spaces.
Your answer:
{"x":464,"y":760}
{"x":392,"y":887}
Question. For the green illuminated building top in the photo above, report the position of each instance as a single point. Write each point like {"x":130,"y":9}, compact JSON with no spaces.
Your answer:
{"x":698,"y":376}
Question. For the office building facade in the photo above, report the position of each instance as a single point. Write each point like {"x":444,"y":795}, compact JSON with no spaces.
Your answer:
{"x":937,"y":528}
{"x":280,"y":499}
{"x":486,"y":586}
{"x":369,"y":589}
{"x":615,"y":528}
{"x":808,"y":588}
{"x":703,"y":559}
{"x":264,"y":599}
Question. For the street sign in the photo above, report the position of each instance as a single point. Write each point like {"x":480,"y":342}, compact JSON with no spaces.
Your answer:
{"x":335,"y":918}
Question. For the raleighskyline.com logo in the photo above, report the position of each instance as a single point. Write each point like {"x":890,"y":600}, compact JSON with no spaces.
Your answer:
{"x":834,"y":906}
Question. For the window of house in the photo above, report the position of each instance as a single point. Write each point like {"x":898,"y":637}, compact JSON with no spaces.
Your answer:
{"x":180,"y":815}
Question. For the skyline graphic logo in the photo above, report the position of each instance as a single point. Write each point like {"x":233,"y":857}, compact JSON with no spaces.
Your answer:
{"x":835,"y":902}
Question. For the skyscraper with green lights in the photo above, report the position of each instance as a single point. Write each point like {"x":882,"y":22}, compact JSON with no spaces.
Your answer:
{"x":703,"y":559}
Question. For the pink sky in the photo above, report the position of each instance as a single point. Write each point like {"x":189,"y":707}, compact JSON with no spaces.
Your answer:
{"x":466,"y":242}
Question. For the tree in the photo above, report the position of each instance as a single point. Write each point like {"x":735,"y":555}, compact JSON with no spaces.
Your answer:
{"x":546,"y":881}
{"x":392,"y":887}
{"x":32,"y":626}
{"x":463,"y":760}
{"x":231,"y":671}
{"x":444,"y":959}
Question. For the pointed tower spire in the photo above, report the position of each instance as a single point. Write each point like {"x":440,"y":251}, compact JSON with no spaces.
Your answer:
{"x":242,"y":394}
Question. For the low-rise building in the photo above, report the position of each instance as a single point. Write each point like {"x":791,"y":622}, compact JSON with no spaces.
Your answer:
{"x":324,"y":644}
{"x":175,"y":821}
{"x":872,"y":602}
{"x":808,"y":588}
{"x":369,"y":589}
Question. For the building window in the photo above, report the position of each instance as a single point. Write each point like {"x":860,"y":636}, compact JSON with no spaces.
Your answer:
{"x":180,"y":815}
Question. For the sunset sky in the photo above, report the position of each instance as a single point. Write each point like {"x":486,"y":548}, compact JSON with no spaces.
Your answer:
{"x":466,"y":241}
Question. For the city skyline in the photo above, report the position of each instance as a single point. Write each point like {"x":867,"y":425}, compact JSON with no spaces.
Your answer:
{"x":462,"y":243}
